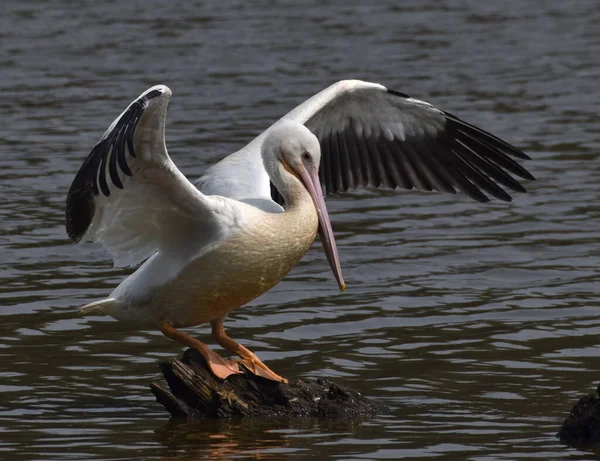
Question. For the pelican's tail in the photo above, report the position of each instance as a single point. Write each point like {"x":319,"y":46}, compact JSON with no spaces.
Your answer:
{"x":98,"y":307}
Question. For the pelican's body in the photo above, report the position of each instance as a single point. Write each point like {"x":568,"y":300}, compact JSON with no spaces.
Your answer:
{"x":260,"y":250}
{"x":212,"y":246}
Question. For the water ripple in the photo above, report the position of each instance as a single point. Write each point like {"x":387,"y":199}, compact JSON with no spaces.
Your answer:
{"x":477,"y":324}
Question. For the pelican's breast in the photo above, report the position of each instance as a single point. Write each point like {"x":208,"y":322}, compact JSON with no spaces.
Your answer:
{"x":245,"y":266}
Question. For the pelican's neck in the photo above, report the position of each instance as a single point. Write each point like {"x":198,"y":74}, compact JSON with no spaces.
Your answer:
{"x":292,"y":190}
{"x":296,"y":228}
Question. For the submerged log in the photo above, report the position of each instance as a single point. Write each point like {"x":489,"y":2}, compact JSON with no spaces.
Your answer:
{"x":194,"y":393}
{"x":582,"y":426}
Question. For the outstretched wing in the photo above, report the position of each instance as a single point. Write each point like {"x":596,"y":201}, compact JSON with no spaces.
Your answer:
{"x":372,"y":136}
{"x":131,"y":197}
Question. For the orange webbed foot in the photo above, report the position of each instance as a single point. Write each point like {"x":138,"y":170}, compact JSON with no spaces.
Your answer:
{"x":220,"y":367}
{"x":250,"y":361}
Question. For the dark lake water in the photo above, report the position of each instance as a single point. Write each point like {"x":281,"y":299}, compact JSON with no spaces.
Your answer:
{"x":477,"y":324}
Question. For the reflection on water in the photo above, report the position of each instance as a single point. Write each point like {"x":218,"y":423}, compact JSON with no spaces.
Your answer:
{"x":250,"y":439}
{"x":477,"y":324}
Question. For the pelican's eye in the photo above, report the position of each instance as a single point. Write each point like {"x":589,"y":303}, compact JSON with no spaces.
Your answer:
{"x":306,"y":156}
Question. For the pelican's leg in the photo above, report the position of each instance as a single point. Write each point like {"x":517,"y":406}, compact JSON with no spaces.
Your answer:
{"x":220,"y":367}
{"x":249,"y":358}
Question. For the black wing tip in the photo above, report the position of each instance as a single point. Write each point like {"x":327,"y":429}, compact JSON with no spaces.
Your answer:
{"x":80,"y":198}
{"x":485,"y":136}
{"x":501,"y":148}
{"x":475,"y":193}
{"x":80,"y":208}
{"x":529,"y":176}
{"x":523,"y":155}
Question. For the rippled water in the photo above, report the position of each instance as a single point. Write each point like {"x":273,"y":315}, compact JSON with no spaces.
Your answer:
{"x":477,"y":324}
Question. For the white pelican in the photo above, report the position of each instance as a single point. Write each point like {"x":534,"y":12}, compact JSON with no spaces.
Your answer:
{"x":212,"y":246}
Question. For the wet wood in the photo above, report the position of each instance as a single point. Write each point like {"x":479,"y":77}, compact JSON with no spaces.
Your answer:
{"x":194,"y":393}
{"x":582,"y":426}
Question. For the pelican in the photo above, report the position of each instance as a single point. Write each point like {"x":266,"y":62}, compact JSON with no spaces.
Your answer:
{"x":212,"y":246}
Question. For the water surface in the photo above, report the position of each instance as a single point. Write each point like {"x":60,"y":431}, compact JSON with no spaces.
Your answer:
{"x":477,"y":324}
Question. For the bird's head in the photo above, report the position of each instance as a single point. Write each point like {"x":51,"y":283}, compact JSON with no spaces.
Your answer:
{"x":300,"y":150}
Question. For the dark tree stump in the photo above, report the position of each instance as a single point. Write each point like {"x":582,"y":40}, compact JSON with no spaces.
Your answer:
{"x":582,"y":426}
{"x":194,"y":393}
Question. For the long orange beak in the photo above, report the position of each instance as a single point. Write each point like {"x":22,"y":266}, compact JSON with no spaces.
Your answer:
{"x":313,"y":185}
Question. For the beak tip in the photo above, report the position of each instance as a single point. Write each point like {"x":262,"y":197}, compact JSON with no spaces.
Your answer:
{"x":342,"y":286}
